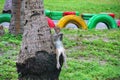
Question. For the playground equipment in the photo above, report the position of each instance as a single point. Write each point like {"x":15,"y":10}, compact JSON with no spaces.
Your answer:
{"x":5,"y":18}
{"x":87,"y":16}
{"x":118,"y":23}
{"x":47,"y":12}
{"x":110,"y":14}
{"x":57,"y":15}
{"x":71,"y":17}
{"x":108,"y":20}
{"x":70,"y":13}
{"x":78,"y":21}
{"x":50,"y":23}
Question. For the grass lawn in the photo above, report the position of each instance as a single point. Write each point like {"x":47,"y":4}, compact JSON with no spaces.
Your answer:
{"x":91,"y":54}
{"x":1,"y":5}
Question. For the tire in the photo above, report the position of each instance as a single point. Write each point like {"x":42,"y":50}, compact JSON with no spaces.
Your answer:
{"x":110,"y":14}
{"x":5,"y":18}
{"x":50,"y":23}
{"x":87,"y":16}
{"x":78,"y":21}
{"x":56,"y":15}
{"x":118,"y":23}
{"x":70,"y":13}
{"x":108,"y":20}
{"x":47,"y":12}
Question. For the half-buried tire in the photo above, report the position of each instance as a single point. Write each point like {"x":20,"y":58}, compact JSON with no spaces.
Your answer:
{"x":78,"y":21}
{"x":104,"y":18}
{"x":50,"y":22}
{"x":5,"y":18}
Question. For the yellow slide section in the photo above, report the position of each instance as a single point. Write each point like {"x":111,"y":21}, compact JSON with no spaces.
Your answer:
{"x":78,"y":21}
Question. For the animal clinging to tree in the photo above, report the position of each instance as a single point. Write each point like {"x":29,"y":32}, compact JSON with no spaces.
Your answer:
{"x":57,"y":37}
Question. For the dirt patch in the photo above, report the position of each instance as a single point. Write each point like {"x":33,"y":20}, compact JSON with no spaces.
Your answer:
{"x":1,"y":53}
{"x":115,"y":78}
{"x":91,"y":59}
{"x":91,"y":38}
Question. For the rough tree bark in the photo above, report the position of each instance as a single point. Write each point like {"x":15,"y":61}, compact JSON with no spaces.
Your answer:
{"x":16,"y":27}
{"x":13,"y":7}
{"x":7,"y":6}
{"x":37,"y":57}
{"x":1,"y":30}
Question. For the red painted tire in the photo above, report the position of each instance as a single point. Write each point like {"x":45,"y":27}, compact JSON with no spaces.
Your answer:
{"x":118,"y":23}
{"x":69,"y":13}
{"x":50,"y":23}
{"x":110,"y":14}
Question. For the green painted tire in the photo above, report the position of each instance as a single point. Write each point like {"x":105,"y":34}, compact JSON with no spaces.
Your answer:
{"x":108,"y":20}
{"x":5,"y":18}
{"x":47,"y":12}
{"x":87,"y":16}
{"x":77,"y":13}
{"x":56,"y":15}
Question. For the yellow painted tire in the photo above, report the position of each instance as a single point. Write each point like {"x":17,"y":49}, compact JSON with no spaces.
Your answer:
{"x":78,"y":21}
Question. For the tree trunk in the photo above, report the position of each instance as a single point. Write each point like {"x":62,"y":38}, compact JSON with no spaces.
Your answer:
{"x":1,"y":30}
{"x":7,"y":6}
{"x":15,"y":26}
{"x":37,"y":57}
{"x":13,"y":7}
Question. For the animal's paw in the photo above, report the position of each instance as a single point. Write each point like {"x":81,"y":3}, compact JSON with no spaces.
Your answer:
{"x":58,"y":66}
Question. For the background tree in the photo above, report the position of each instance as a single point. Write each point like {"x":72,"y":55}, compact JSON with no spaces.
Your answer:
{"x":37,"y":57}
{"x":7,"y":6}
{"x":1,"y":30}
{"x":13,"y":7}
{"x":16,"y":27}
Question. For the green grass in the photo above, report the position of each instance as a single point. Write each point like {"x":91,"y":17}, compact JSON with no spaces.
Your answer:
{"x":94,"y":55}
{"x":1,"y":5}
{"x":9,"y":49}
{"x":91,"y":55}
